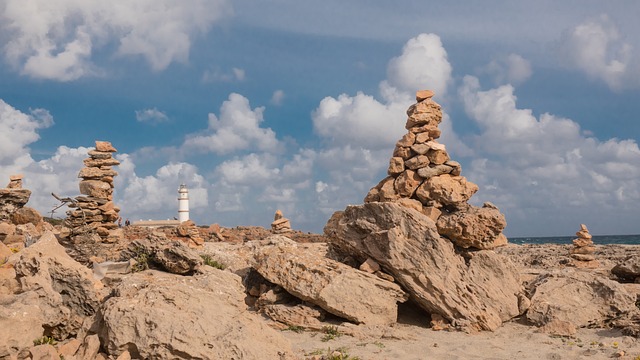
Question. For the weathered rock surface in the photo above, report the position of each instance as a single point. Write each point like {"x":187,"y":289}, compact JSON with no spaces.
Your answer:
{"x":629,"y":269}
{"x":474,"y":289}
{"x":172,"y":256}
{"x":26,"y":215}
{"x":480,"y":228}
{"x":582,"y":298}
{"x":12,"y":200}
{"x":337,"y":288}
{"x":213,"y":320}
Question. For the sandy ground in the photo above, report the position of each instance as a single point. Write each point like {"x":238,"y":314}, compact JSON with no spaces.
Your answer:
{"x":511,"y":341}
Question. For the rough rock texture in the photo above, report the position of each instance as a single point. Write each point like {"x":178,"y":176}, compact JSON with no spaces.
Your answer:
{"x":478,"y":289}
{"x":422,"y":172}
{"x":335,"y":287}
{"x":172,"y":256}
{"x":214,"y":322}
{"x":580,"y":297}
{"x":628,"y":269}
{"x":67,"y":289}
{"x":12,"y":200}
{"x":21,"y":322}
{"x":280,"y":224}
{"x":583,"y":249}
{"x":26,"y":215}
{"x":95,"y":212}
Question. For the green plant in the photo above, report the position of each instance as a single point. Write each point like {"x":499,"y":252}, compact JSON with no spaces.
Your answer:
{"x":208,"y":260}
{"x":142,"y":261}
{"x":295,"y":328}
{"x":44,"y":340}
{"x":330,"y":333}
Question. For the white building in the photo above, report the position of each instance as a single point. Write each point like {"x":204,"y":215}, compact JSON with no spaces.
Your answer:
{"x":183,"y":203}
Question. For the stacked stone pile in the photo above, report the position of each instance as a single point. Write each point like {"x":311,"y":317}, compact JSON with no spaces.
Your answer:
{"x":13,"y":197}
{"x":280,"y":224}
{"x":583,"y":249}
{"x":422,"y":176}
{"x":96,"y":211}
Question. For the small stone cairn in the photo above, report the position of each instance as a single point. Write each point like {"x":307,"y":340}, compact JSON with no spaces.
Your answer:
{"x":583,"y":249}
{"x":13,"y":197}
{"x":96,"y":211}
{"x":280,"y":224}
{"x":422,"y":176}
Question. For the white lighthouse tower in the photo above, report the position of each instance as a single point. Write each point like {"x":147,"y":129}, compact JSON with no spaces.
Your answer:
{"x":183,"y":203}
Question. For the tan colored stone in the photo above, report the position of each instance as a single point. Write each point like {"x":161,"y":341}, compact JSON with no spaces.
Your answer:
{"x":417,"y":162}
{"x":26,"y":215}
{"x":407,"y":183}
{"x":435,"y":170}
{"x":96,"y":173}
{"x":583,"y":250}
{"x":105,"y":146}
{"x":583,"y":257}
{"x":387,"y":191}
{"x":583,"y":234}
{"x":7,"y":229}
{"x":420,"y":148}
{"x":396,"y":166}
{"x":370,"y":266}
{"x":410,"y":203}
{"x":438,"y":156}
{"x":95,"y":154}
{"x":558,"y":327}
{"x":446,"y":189}
{"x":424,"y":94}
{"x":432,"y":212}
{"x":89,"y":162}
{"x":43,"y":352}
{"x":124,"y":356}
{"x":475,"y":227}
{"x":69,"y":348}
{"x":456,"y":168}
{"x":5,"y":252}
{"x":580,"y":242}
{"x":407,"y":140}
{"x":402,"y":152}
{"x":95,"y":188}
{"x":278,"y":215}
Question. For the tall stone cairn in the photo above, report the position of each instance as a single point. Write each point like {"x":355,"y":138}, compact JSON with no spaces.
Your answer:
{"x":422,"y":176}
{"x":96,"y":211}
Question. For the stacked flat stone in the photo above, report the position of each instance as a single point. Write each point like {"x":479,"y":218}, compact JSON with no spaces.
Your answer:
{"x":13,"y":197}
{"x":422,"y":176}
{"x":280,"y":223}
{"x":96,"y":211}
{"x":583,"y":249}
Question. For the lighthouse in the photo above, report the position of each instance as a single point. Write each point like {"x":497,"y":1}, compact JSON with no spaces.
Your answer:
{"x":183,"y":203}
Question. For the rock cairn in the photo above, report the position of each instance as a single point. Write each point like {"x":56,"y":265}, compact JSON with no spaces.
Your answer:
{"x":422,"y":176}
{"x":189,"y":230}
{"x":280,"y":224}
{"x":13,"y":197}
{"x":583,"y":249}
{"x":96,"y":211}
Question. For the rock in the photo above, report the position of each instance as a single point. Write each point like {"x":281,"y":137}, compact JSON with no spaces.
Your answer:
{"x":407,"y":140}
{"x":628,"y":270}
{"x":480,"y":228}
{"x":402,"y":152}
{"x":26,"y":215}
{"x":479,"y":291}
{"x":105,"y":146}
{"x":582,"y":298}
{"x":21,"y":322}
{"x":280,"y":223}
{"x":67,"y":289}
{"x":69,"y":349}
{"x":44,"y":352}
{"x":100,"y":270}
{"x":96,"y":173}
{"x":558,"y":328}
{"x":171,"y":256}
{"x":417,"y":162}
{"x":95,"y":188}
{"x":5,"y":252}
{"x":396,"y":165}
{"x":446,"y":189}
{"x":407,"y":183}
{"x":295,"y":315}
{"x":431,"y":171}
{"x":168,"y":320}
{"x":89,"y":348}
{"x":337,"y":288}
{"x":422,"y":95}
{"x":370,"y":266}
{"x":12,"y":200}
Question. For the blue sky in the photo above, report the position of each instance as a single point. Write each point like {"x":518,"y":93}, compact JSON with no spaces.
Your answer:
{"x":297,"y":105}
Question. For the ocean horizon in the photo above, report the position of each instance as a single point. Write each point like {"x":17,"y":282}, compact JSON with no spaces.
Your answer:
{"x":597,"y":239}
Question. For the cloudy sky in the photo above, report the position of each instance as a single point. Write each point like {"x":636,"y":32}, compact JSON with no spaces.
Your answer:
{"x":297,"y":105}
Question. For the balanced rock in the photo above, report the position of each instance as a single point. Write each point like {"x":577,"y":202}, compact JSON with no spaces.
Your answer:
{"x":472,"y":290}
{"x":421,"y":171}
{"x":583,"y":249}
{"x":280,"y":224}
{"x":12,"y":200}
{"x":15,"y":181}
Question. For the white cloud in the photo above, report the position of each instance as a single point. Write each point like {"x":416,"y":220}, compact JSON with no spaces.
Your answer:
{"x":512,"y":69}
{"x":56,"y":39}
{"x":597,"y":48}
{"x":545,"y":169}
{"x":237,"y":128}
{"x":151,"y":116}
{"x":17,"y":131}
{"x":217,"y":75}
{"x":277,"y":97}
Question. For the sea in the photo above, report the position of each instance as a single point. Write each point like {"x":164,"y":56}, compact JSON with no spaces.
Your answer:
{"x":597,"y":239}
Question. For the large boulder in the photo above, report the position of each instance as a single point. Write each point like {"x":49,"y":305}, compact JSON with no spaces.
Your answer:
{"x":628,"y":269}
{"x":580,"y":297}
{"x":165,"y":316}
{"x":172,"y":256}
{"x":337,"y":288}
{"x":12,"y":200}
{"x":21,"y":320}
{"x":26,"y":215}
{"x":476,"y":290}
{"x":67,"y":290}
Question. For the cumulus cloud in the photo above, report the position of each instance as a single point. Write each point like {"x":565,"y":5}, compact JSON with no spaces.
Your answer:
{"x":17,"y":131}
{"x":237,"y":128}
{"x":151,"y":116}
{"x":56,"y":39}
{"x":545,"y":167}
{"x":512,"y":69}
{"x":597,"y":48}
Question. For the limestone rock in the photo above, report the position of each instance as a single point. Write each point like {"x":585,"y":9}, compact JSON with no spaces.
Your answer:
{"x":629,"y":269}
{"x":280,"y":223}
{"x":480,"y":290}
{"x":446,"y":190}
{"x":337,"y":288}
{"x":44,"y":352}
{"x":169,"y":319}
{"x":95,"y":188}
{"x":12,"y":200}
{"x":21,"y":320}
{"x":396,"y":165}
{"x":26,"y":215}
{"x":407,"y":183}
{"x":104,"y":146}
{"x":582,"y":298}
{"x":295,"y":315}
{"x":171,"y":256}
{"x":15,"y":181}
{"x":480,"y":228}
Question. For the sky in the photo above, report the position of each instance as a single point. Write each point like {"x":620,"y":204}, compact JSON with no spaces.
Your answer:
{"x":297,"y":105}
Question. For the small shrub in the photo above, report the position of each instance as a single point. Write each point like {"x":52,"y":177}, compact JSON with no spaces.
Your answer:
{"x":295,"y":329}
{"x":208,"y":260}
{"x":142,"y":261}
{"x":330,"y":333}
{"x":44,"y":340}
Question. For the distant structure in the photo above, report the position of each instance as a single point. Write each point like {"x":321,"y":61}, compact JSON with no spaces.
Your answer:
{"x":183,"y":203}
